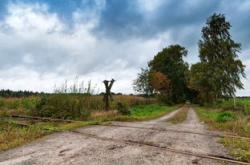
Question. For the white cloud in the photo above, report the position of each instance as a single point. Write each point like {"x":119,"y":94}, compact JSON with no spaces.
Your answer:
{"x":38,"y":49}
{"x":31,"y":18}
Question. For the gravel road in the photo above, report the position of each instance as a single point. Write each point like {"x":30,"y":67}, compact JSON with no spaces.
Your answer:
{"x":126,"y":143}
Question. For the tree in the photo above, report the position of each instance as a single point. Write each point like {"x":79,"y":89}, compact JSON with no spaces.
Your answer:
{"x":141,"y":84}
{"x":161,"y":84}
{"x":170,"y":63}
{"x":220,"y":68}
{"x":198,"y":81}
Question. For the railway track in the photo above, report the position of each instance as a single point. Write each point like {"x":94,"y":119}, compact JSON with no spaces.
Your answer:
{"x":180,"y":131}
{"x":165,"y":148}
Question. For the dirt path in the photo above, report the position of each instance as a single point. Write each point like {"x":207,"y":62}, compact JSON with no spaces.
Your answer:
{"x":117,"y":145}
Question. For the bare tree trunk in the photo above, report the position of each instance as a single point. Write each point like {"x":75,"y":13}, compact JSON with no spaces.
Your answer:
{"x":107,"y":96}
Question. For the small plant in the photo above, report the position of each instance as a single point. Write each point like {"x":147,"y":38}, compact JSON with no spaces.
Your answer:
{"x":225,"y":116}
{"x":123,"y":109}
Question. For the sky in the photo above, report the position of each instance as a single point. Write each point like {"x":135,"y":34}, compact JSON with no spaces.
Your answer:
{"x":43,"y":43}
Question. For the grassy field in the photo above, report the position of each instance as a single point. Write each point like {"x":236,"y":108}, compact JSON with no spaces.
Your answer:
{"x":18,"y":105}
{"x":224,"y":117}
{"x":15,"y":132}
{"x":66,"y":106}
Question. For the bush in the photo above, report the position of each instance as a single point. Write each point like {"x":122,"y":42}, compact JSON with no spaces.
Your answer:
{"x":225,"y":116}
{"x":62,"y":106}
{"x":123,"y":109}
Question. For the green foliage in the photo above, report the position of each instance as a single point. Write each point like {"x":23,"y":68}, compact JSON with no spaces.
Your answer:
{"x":225,"y":116}
{"x":219,"y":72}
{"x":62,"y":106}
{"x":141,"y":84}
{"x":170,"y":63}
{"x":241,"y":106}
{"x":123,"y":109}
{"x":17,"y":94}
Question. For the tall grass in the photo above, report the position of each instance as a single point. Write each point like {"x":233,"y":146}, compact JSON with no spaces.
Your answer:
{"x":80,"y":106}
{"x":76,"y":86}
{"x":241,"y":105}
{"x":19,"y":103}
{"x":22,"y":105}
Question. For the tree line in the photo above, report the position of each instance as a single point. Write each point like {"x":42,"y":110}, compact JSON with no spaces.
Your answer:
{"x":10,"y":93}
{"x":217,"y":75}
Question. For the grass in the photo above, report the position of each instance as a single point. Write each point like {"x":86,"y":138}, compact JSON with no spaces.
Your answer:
{"x":13,"y":135}
{"x":242,"y":105}
{"x":147,"y":112}
{"x":24,"y":103}
{"x":180,"y":116}
{"x":240,"y":149}
{"x":238,"y":124}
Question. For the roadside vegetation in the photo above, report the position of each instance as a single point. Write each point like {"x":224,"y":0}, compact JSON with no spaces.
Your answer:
{"x":231,"y":119}
{"x":15,"y":132}
{"x":146,"y":112}
{"x":82,"y":109}
{"x":180,"y":116}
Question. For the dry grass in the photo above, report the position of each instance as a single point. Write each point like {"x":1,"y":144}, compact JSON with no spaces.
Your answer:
{"x":13,"y":135}
{"x":239,"y":148}
{"x":100,"y":115}
{"x":240,"y":125}
{"x":180,"y":116}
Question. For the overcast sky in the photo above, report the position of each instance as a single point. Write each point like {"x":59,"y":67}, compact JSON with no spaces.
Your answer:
{"x":45,"y":42}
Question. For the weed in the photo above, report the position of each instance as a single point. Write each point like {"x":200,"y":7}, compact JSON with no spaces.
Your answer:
{"x":123,"y":109}
{"x":225,"y":116}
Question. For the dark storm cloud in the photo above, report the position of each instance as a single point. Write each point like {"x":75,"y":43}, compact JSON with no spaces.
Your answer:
{"x":124,"y":19}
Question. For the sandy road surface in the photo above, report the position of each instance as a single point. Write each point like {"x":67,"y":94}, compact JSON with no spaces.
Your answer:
{"x":78,"y":148}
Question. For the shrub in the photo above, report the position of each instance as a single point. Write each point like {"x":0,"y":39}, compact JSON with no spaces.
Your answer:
{"x":62,"y":106}
{"x":123,"y":109}
{"x":225,"y":116}
{"x":29,"y":102}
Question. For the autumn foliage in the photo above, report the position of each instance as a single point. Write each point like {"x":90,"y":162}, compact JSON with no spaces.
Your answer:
{"x":159,"y":82}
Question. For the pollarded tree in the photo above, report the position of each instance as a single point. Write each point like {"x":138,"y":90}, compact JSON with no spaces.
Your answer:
{"x":170,"y":63}
{"x":220,"y":55}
